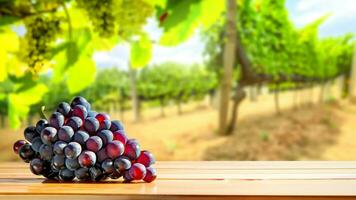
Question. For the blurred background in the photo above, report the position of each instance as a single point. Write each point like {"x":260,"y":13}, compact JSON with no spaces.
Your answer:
{"x":191,"y":80}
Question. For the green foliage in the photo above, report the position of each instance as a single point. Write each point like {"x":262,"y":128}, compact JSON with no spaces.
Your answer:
{"x":141,"y":51}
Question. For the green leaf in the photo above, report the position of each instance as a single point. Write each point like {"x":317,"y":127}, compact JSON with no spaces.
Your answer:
{"x":19,"y":103}
{"x":81,"y":75}
{"x":141,"y":51}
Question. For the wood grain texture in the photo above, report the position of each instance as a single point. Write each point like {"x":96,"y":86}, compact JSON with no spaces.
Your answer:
{"x":195,"y":180}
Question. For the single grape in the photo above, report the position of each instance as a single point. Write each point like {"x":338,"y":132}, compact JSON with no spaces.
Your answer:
{"x":56,"y":120}
{"x":82,"y":174}
{"x":49,"y":135}
{"x":120,"y":135}
{"x":58,"y":162}
{"x":102,"y":116}
{"x":36,"y":143}
{"x":151,"y":174}
{"x":114,"y":149}
{"x":66,"y":175}
{"x":106,"y":136}
{"x":122,"y":164}
{"x":36,"y":166}
{"x":80,"y":101}
{"x":101,"y":155}
{"x":91,"y":125}
{"x":94,"y":143}
{"x":26,"y":153}
{"x":105,"y":125}
{"x":30,"y":132}
{"x":132,"y":149}
{"x":46,"y":152}
{"x":72,"y":164}
{"x":58,"y":147}
{"x":87,"y":159}
{"x":96,"y":174}
{"x":80,"y":111}
{"x":127,"y":177}
{"x":65,"y":133}
{"x":92,"y":114}
{"x":116,"y":125}
{"x":137,"y":171}
{"x":18,"y":144}
{"x":64,"y":108}
{"x":81,"y":137}
{"x":107,"y":166}
{"x":50,"y":174}
{"x":72,"y":150}
{"x":146,"y":158}
{"x":40,"y":125}
{"x":75,"y":123}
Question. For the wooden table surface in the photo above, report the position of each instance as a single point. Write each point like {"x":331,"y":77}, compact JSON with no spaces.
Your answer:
{"x":195,"y":180}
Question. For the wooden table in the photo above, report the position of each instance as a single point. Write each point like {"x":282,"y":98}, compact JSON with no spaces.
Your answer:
{"x":198,"y":180}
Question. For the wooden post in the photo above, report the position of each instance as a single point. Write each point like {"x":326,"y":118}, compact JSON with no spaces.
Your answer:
{"x":229,"y":61}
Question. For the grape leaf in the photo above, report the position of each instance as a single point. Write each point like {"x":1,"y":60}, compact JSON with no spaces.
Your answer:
{"x":141,"y":51}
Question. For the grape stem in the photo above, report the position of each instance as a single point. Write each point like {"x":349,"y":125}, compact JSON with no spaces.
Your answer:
{"x":42,"y":113}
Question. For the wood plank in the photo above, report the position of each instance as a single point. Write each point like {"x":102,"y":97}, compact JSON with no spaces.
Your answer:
{"x":192,"y":180}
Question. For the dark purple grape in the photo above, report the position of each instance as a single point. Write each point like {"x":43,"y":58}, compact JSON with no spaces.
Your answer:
{"x":80,"y":111}
{"x":120,"y":135}
{"x":114,"y":149}
{"x":50,"y":174}
{"x":115,"y":175}
{"x":91,"y":125}
{"x":132,"y":149}
{"x":58,"y":162}
{"x":65,"y":133}
{"x":36,"y":143}
{"x":75,"y":123}
{"x":137,"y":171}
{"x":92,"y":114}
{"x":122,"y":164}
{"x":107,"y":166}
{"x":94,"y":143}
{"x":151,"y":174}
{"x":30,"y":132}
{"x":49,"y":135}
{"x":56,"y":120}
{"x":36,"y":166}
{"x":46,"y":152}
{"x":116,"y":125}
{"x":80,"y":101}
{"x":72,"y":164}
{"x":146,"y":158}
{"x":41,"y":124}
{"x":87,"y":159}
{"x":82,"y":174}
{"x":18,"y":144}
{"x":64,"y":108}
{"x":66,"y":175}
{"x":96,"y":174}
{"x":127,"y":177}
{"x":105,"y":125}
{"x":72,"y":150}
{"x":102,"y":116}
{"x":101,"y":155}
{"x":106,"y":136}
{"x":26,"y":153}
{"x":58,"y":147}
{"x":81,"y":137}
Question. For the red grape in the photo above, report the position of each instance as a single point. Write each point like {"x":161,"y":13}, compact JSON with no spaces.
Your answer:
{"x":146,"y":158}
{"x":151,"y":174}
{"x":18,"y":144}
{"x":87,"y":159}
{"x":114,"y":149}
{"x":120,"y":136}
{"x":94,"y":143}
{"x":137,"y":171}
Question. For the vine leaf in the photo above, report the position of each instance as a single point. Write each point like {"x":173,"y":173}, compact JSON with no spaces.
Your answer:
{"x":141,"y":51}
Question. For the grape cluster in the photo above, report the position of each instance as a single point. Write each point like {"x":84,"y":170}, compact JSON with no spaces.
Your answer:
{"x":76,"y":142}
{"x":41,"y":31}
{"x":102,"y":15}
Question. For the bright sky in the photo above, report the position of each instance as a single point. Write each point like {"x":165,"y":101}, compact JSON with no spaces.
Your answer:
{"x":302,"y":12}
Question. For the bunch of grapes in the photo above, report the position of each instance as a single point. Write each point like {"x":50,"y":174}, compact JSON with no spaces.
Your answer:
{"x":41,"y":31}
{"x":101,"y":14}
{"x":77,"y":142}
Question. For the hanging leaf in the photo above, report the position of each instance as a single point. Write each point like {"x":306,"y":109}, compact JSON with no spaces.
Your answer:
{"x":19,"y":103}
{"x":141,"y":51}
